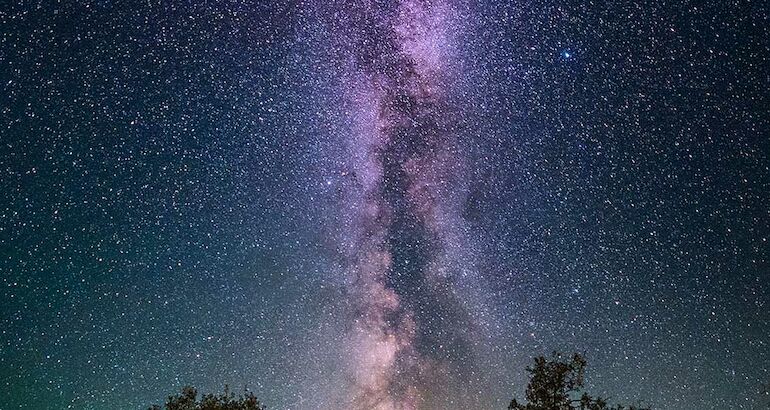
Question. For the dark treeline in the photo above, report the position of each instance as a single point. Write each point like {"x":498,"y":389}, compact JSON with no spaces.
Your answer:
{"x":556,"y":383}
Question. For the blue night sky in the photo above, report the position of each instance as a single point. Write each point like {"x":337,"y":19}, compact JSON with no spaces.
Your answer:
{"x":383,"y":204}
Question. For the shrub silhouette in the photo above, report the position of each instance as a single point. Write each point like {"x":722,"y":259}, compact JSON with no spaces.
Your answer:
{"x":188,"y":400}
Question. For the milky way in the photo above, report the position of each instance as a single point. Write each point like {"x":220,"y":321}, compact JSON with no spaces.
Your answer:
{"x":402,"y":185}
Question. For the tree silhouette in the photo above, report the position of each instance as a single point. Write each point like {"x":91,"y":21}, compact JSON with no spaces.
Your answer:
{"x":556,"y":384}
{"x":188,"y":400}
{"x":766,"y":392}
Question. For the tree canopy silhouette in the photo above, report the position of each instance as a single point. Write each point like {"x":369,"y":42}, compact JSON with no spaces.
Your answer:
{"x":556,"y":384}
{"x":188,"y":400}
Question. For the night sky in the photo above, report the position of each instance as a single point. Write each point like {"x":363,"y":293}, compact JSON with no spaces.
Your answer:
{"x":383,"y":204}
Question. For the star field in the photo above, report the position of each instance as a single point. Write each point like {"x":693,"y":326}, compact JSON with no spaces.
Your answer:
{"x":383,"y":204}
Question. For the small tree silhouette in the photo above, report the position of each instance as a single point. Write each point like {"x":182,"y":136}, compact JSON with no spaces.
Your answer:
{"x":556,"y":385}
{"x":188,"y":400}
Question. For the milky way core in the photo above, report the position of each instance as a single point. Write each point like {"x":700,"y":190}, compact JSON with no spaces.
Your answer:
{"x":402,"y":186}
